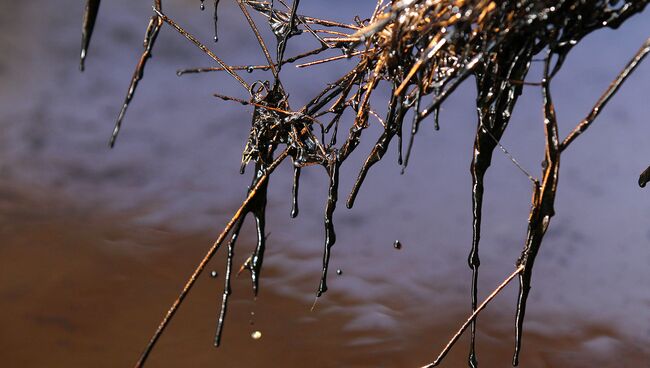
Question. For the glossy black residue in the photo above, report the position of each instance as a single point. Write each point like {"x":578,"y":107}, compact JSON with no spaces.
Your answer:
{"x":150,"y":37}
{"x":495,"y":102}
{"x":88,"y":24}
{"x":216,"y":20}
{"x":294,"y":192}
{"x":419,"y":52}
{"x":330,"y":235}
{"x":644,"y":178}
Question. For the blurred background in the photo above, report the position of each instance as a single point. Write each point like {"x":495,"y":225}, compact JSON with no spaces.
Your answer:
{"x":95,"y":243}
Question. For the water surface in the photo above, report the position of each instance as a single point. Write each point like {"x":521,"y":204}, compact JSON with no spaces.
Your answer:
{"x":96,"y":243}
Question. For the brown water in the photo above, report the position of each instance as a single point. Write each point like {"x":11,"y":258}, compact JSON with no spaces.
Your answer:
{"x":95,"y":244}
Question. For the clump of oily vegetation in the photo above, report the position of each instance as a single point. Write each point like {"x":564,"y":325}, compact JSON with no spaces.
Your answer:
{"x":423,"y":50}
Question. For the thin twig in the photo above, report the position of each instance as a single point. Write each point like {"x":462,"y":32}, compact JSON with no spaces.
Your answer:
{"x":248,"y":68}
{"x":203,"y":48}
{"x":259,"y":38}
{"x":333,"y":58}
{"x":472,"y":317}
{"x":611,"y":91}
{"x":510,"y":156}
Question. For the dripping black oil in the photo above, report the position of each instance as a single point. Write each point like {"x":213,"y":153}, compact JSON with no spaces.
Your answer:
{"x":423,"y":50}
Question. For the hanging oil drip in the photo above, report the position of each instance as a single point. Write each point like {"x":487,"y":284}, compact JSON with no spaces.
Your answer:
{"x":644,"y":178}
{"x":294,"y":192}
{"x":216,"y":20}
{"x":333,"y":166}
{"x":150,"y":37}
{"x":88,"y":25}
{"x":417,"y":59}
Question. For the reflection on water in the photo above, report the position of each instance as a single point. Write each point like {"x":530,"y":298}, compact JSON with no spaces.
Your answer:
{"x":84,"y":289}
{"x":95,"y":244}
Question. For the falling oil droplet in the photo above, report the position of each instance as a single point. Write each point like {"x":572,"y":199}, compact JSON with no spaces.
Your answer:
{"x":202,"y":5}
{"x":339,"y":272}
{"x":397,"y":244}
{"x":256,"y":335}
{"x":214,"y":274}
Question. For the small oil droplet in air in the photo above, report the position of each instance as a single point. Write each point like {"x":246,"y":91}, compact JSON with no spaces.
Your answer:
{"x":397,"y":244}
{"x":214,"y":274}
{"x":256,"y":335}
{"x":339,"y":272}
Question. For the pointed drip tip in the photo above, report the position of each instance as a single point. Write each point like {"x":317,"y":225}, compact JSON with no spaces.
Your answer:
{"x":82,"y":60}
{"x":644,"y":178}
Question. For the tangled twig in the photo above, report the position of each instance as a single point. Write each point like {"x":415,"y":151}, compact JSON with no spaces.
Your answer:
{"x":422,"y":50}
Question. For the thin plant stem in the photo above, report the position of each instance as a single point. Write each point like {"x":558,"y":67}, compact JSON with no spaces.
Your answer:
{"x":203,"y":48}
{"x":605,"y":97}
{"x":472,"y":317}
